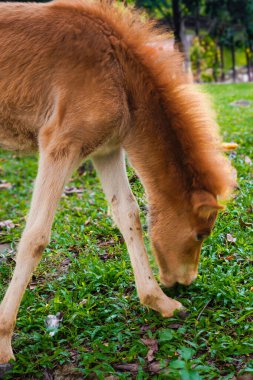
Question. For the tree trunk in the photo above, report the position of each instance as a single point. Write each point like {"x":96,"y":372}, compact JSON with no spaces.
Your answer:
{"x":197,"y":19}
{"x":222,"y":78}
{"x":215,"y":67}
{"x":177,"y":20}
{"x":185,"y":42}
{"x":233,"y":59}
{"x":197,"y":35}
{"x":248,"y":65}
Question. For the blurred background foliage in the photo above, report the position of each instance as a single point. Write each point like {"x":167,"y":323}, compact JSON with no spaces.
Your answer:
{"x":216,"y":36}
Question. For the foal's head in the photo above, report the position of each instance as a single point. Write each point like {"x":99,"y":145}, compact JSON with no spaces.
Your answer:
{"x":178,"y":227}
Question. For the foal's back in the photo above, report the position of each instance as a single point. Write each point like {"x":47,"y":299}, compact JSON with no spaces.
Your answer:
{"x":56,"y":67}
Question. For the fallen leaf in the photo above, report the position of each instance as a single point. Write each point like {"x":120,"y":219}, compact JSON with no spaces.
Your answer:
{"x":131,"y":367}
{"x":240,"y":103}
{"x":47,"y":375}
{"x":250,"y":210}
{"x":4,"y":369}
{"x":174,"y":325}
{"x":152,"y":344}
{"x":67,"y":372}
{"x":145,"y":328}
{"x":230,"y":257}
{"x":245,"y":224}
{"x":230,"y":238}
{"x":248,"y":160}
{"x":53,"y":323}
{"x":83,"y":302}
{"x":227,"y":146}
{"x":87,"y":221}
{"x":106,"y":243}
{"x":7,"y":224}
{"x":5,"y":248}
{"x":156,"y":367}
{"x":104,"y":256}
{"x":65,"y":262}
{"x":246,"y":376}
{"x":73,"y":190}
{"x":74,"y":355}
{"x":5,"y":185}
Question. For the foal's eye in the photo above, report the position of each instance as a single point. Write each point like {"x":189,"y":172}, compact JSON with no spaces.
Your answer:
{"x":202,"y":235}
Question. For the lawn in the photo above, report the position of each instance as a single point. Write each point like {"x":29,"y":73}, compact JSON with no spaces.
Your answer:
{"x":85,"y":276}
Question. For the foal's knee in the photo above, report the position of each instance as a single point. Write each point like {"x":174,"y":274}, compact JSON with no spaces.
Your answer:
{"x":6,"y":327}
{"x":34,"y":241}
{"x":134,"y":213}
{"x":126,"y":212}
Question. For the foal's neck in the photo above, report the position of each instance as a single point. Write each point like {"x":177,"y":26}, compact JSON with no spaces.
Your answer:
{"x":153,"y":149}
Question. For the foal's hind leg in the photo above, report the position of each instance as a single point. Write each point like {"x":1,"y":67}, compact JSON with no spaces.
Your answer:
{"x":112,"y":172}
{"x":52,"y":175}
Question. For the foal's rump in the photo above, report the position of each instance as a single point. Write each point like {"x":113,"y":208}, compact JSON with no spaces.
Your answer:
{"x":56,"y":68}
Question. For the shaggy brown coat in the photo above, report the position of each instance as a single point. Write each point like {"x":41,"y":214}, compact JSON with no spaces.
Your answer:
{"x":83,"y":78}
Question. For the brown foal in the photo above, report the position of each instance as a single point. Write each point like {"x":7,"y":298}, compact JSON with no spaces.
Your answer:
{"x":83,"y":78}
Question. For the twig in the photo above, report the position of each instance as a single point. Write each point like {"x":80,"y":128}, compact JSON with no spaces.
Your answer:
{"x":204,"y":308}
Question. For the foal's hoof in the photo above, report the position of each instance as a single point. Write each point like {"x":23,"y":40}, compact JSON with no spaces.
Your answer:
{"x":182,"y":313}
{"x":4,"y":369}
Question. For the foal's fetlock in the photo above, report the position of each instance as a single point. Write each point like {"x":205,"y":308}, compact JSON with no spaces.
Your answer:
{"x":158,"y":301}
{"x":6,"y":353}
{"x":6,"y":330}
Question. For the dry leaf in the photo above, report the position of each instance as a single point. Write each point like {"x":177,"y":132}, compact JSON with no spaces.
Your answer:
{"x":4,"y":369}
{"x":246,"y":376}
{"x":5,"y":185}
{"x":248,"y":160}
{"x":53,"y":323}
{"x":156,"y":367}
{"x":7,"y":224}
{"x":87,"y":221}
{"x":65,"y":262}
{"x":153,"y":348}
{"x":150,"y":356}
{"x":67,"y":372}
{"x":5,"y":248}
{"x":175,"y":325}
{"x":73,"y":190}
{"x":227,"y":146}
{"x":245,"y":224}
{"x":83,"y":302}
{"x":132,"y":367}
{"x":106,"y":243}
{"x":229,"y":257}
{"x":241,"y":103}
{"x":230,"y":238}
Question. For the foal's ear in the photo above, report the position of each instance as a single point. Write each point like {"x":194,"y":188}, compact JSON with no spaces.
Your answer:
{"x":205,"y":204}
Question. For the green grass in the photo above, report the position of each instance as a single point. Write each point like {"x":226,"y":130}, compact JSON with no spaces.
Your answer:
{"x":86,"y":275}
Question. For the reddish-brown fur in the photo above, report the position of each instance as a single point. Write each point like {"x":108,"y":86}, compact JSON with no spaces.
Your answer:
{"x":80,"y":78}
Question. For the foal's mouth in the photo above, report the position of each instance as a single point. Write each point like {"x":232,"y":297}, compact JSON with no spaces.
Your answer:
{"x":169,"y":280}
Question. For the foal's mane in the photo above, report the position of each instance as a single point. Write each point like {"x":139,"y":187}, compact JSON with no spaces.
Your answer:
{"x":188,"y":110}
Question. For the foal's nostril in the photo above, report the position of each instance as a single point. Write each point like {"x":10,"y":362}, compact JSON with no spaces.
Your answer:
{"x":167,"y":281}
{"x":183,"y":313}
{"x":188,"y":279}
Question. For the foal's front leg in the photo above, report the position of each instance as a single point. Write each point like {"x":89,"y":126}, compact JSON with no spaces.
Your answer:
{"x":52,"y":175}
{"x":112,"y":172}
